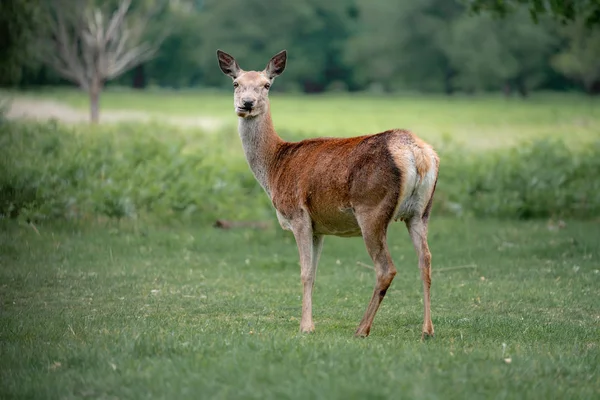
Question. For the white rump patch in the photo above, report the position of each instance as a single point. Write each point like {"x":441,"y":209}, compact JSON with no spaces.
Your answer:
{"x":417,"y":191}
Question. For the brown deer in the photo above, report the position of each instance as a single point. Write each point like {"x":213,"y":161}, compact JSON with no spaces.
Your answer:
{"x":337,"y":186}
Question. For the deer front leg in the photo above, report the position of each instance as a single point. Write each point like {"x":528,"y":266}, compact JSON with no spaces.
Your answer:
{"x":417,"y":228}
{"x":309,"y":248}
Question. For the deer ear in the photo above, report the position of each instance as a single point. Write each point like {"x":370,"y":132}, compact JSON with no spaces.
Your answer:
{"x":228,"y":64}
{"x":276,"y":65}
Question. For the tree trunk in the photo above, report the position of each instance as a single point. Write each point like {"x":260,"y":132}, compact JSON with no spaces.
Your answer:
{"x":507,"y":89}
{"x":522,"y":87}
{"x":94,"y":105}
{"x":139,"y":77}
{"x":594,"y":88}
{"x":591,"y":87}
{"x":96,"y":87}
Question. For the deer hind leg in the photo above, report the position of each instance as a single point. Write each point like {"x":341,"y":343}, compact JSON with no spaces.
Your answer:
{"x":417,"y":228}
{"x":374,"y":235}
{"x":309,"y":248}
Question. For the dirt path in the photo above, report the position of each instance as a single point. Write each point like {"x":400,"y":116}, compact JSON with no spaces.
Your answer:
{"x":36,"y":109}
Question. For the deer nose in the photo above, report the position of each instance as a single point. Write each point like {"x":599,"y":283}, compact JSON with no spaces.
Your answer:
{"x":248,"y":103}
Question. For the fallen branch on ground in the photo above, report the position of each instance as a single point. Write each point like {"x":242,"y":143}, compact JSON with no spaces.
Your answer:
{"x":362,"y":264}
{"x":224,"y":224}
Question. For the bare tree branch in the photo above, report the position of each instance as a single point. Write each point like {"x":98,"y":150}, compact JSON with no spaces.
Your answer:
{"x":130,"y":59}
{"x":89,"y":51}
{"x":65,"y":58}
{"x":117,"y":21}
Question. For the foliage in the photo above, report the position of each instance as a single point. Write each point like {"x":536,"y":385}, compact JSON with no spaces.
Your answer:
{"x":19,"y":24}
{"x":138,"y":171}
{"x":115,"y":311}
{"x":400,"y":45}
{"x":266,"y":26}
{"x":581,"y":59}
{"x":535,"y":180}
{"x":119,"y":172}
{"x":376,"y":45}
{"x":564,"y":11}
{"x":489,"y":53}
{"x":176,"y":64}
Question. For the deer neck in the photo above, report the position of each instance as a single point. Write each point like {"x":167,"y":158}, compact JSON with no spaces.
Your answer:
{"x":260,"y":142}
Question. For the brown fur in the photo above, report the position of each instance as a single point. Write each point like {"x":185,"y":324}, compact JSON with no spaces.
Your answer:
{"x":334,"y":186}
{"x":330,"y":177}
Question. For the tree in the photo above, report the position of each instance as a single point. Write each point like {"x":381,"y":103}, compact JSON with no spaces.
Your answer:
{"x":313,"y":32}
{"x":490,"y":53}
{"x":88,"y":48}
{"x":19,"y":24}
{"x":400,"y":44}
{"x":176,"y":64}
{"x":564,"y":11}
{"x":580,"y":60}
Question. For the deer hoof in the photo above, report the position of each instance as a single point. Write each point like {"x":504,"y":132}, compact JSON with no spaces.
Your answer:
{"x":362,"y":332}
{"x":307,"y":329}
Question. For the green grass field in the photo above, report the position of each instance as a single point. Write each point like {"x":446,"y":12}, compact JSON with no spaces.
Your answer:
{"x":478,"y":122}
{"x":139,"y":309}
{"x":117,"y":311}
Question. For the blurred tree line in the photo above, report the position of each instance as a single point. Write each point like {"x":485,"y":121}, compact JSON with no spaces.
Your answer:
{"x":375,"y":45}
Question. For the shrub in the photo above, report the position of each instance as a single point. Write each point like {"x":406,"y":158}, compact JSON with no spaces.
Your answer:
{"x":124,"y":171}
{"x":537,"y":180}
{"x":132,"y":171}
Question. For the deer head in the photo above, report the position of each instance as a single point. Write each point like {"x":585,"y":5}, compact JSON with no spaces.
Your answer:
{"x":251,"y":88}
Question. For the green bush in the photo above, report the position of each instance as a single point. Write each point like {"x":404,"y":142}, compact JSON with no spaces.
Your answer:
{"x":132,"y":171}
{"x":126,"y":171}
{"x":536,"y":180}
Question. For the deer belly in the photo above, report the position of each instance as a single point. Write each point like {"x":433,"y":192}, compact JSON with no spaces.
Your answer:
{"x":336,"y":222}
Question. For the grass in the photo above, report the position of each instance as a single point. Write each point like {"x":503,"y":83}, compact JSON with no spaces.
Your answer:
{"x":97,"y":309}
{"x":479,"y":122}
{"x":104,"y":310}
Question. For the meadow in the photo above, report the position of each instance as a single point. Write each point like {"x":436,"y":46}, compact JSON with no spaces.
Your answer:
{"x":113,"y":311}
{"x":115,"y":284}
{"x":477,"y":122}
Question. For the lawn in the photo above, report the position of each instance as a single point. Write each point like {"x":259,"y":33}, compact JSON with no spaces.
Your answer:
{"x":109,"y":310}
{"x":158,"y":306}
{"x":478,"y":122}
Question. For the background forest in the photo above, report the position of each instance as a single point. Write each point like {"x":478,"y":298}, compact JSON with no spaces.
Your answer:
{"x":140,"y":259}
{"x":437,"y":46}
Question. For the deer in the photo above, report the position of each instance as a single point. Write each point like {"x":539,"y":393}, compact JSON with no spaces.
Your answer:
{"x":337,"y":186}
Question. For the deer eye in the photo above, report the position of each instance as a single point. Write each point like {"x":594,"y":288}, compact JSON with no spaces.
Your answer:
{"x":235,"y":84}
{"x":267,"y":85}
